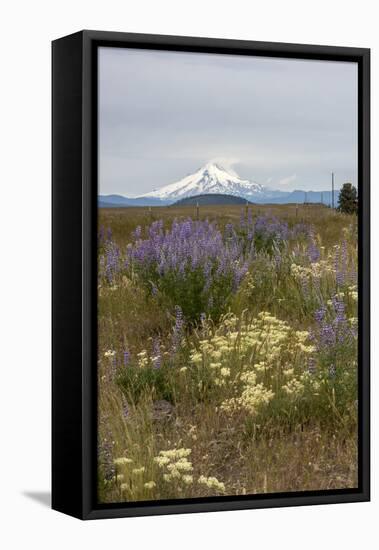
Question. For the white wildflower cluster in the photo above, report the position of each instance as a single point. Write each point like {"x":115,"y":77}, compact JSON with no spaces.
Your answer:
{"x":175,"y":465}
{"x":294,"y":388}
{"x":352,"y":291}
{"x":349,"y":292}
{"x":150,"y":485}
{"x":122,"y":461}
{"x":212,"y":483}
{"x":264,"y":339}
{"x":131,"y":475}
{"x":252,"y":397}
{"x":143,"y":359}
{"x":297,"y":387}
{"x":244,"y":355}
{"x":301,"y":339}
{"x":219,"y":351}
{"x":316,"y":270}
{"x":177,"y":468}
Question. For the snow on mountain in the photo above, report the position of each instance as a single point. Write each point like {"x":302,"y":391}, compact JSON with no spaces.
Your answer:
{"x":209,"y":179}
{"x":212,"y":179}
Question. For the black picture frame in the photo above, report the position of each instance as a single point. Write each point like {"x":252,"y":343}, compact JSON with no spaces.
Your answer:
{"x":74,"y":295}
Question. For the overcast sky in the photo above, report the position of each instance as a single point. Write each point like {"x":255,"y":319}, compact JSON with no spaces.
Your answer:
{"x":283,"y":123}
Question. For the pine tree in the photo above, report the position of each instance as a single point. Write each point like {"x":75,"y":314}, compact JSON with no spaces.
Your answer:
{"x":348,"y":199}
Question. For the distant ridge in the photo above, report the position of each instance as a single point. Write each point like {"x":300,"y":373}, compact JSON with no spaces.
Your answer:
{"x":119,"y":201}
{"x":300,"y":197}
{"x":211,"y":199}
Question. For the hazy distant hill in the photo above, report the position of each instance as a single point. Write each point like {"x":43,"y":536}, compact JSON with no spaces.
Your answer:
{"x":300,"y":197}
{"x":118,"y":201}
{"x":210,"y":199}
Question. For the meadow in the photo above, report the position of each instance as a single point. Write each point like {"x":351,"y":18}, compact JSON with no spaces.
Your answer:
{"x":227,"y":351}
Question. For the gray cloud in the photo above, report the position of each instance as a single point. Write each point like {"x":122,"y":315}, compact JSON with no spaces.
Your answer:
{"x":164,"y":114}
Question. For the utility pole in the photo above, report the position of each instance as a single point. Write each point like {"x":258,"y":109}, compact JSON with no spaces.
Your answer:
{"x":322,"y":197}
{"x":333,"y":190}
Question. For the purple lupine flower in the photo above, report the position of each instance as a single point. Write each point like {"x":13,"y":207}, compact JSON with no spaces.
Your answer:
{"x":335,"y":330}
{"x":178,"y":329}
{"x":187,"y":248}
{"x":271,"y":230}
{"x":112,"y":261}
{"x":339,"y":307}
{"x":109,"y":234}
{"x":344,"y":260}
{"x":137,"y":232}
{"x":313,"y":251}
{"x":340,"y":321}
{"x":327,"y":335}
{"x":125,"y":409}
{"x":354,"y":330}
{"x":300,"y":229}
{"x":126,"y":358}
{"x":157,"y":356}
{"x":320,"y":314}
{"x":239,"y":274}
{"x":339,"y":274}
{"x":340,"y":264}
{"x":196,"y":256}
{"x":278,"y":260}
{"x":101,"y":235}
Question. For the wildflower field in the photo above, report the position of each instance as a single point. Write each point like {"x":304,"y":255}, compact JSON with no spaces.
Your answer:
{"x":227,"y":351}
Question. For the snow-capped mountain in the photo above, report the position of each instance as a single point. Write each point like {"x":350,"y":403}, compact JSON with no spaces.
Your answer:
{"x":210,"y":179}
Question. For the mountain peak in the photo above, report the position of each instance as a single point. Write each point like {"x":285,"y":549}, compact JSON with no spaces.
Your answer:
{"x":209,"y":179}
{"x":213,"y":167}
